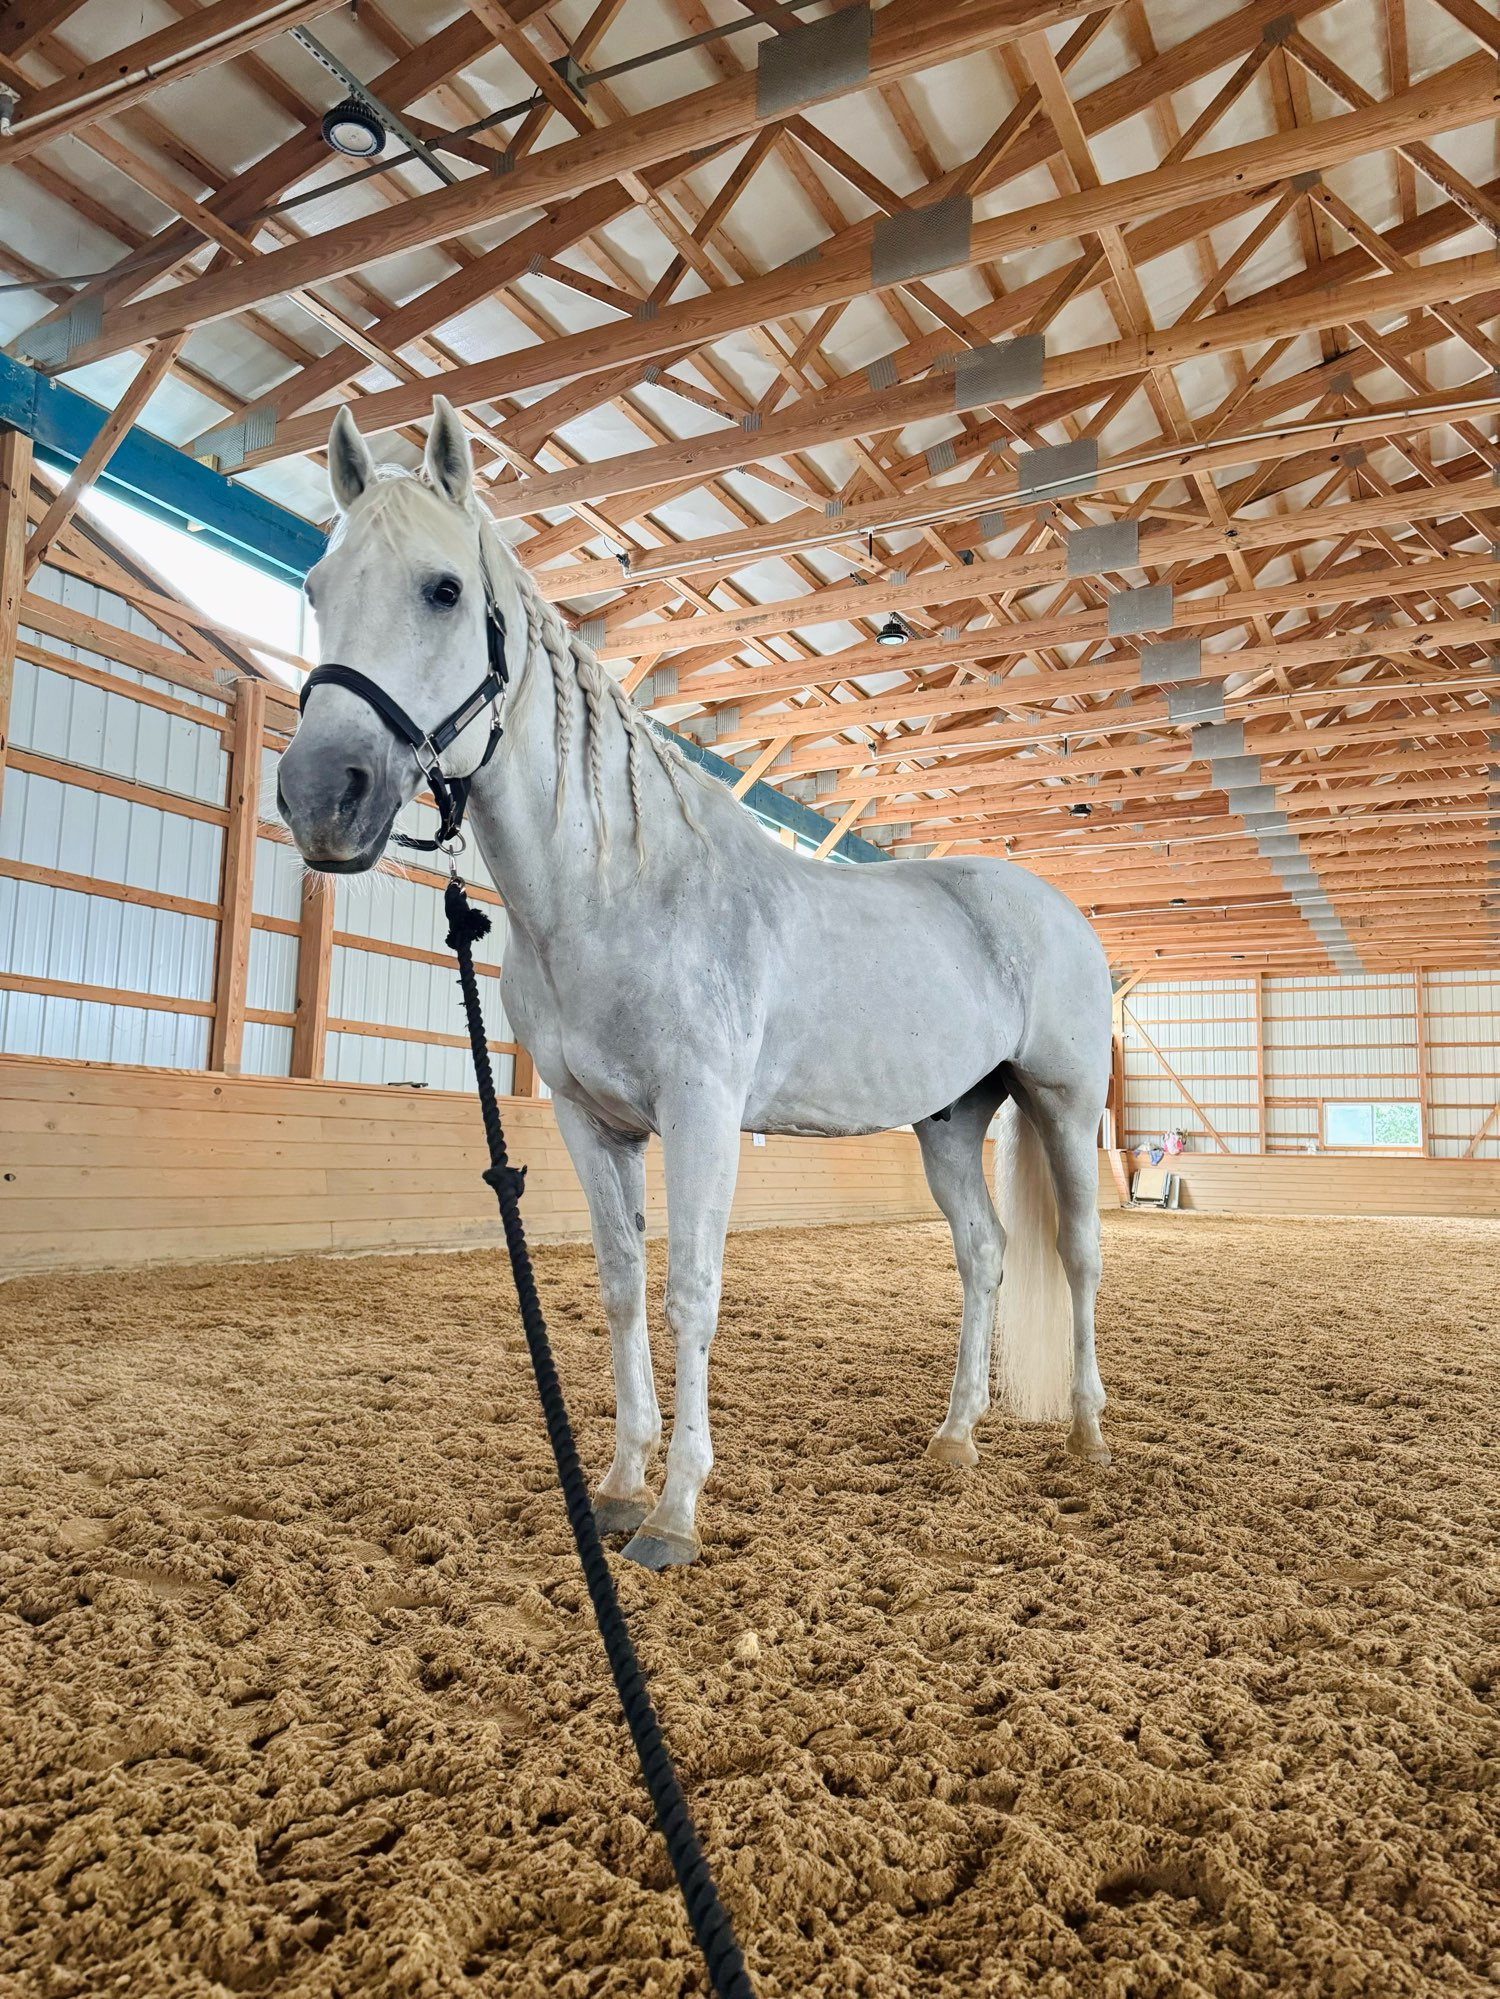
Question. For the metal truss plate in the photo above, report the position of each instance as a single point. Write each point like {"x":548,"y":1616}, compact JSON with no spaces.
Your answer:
{"x":813,"y":60}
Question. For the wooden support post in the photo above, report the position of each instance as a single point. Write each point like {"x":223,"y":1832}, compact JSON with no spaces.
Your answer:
{"x":232,"y":970}
{"x":15,"y":487}
{"x":1117,"y":1052}
{"x":314,"y":975}
{"x":1260,"y":1063}
{"x":1419,"y":996}
{"x":523,"y":1077}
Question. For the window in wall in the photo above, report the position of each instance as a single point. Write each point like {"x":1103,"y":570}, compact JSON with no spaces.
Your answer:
{"x":1349,"y":1126}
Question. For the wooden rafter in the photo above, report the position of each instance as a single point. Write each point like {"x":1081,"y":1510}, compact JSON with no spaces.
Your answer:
{"x":1284,"y":427}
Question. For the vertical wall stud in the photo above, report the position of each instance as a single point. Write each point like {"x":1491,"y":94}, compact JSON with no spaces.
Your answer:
{"x":314,"y":975}
{"x":1263,"y":1142}
{"x":1419,"y":999}
{"x":15,"y":486}
{"x":232,"y":970}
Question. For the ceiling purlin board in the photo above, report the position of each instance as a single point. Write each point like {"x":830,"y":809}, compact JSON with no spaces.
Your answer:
{"x":842,"y":268}
{"x":1261,"y":384}
{"x":907,"y":35}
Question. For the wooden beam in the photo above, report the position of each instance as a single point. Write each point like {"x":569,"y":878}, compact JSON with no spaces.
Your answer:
{"x":314,"y":975}
{"x":839,"y":828}
{"x":232,"y":960}
{"x":212,"y":35}
{"x":803,"y":428}
{"x":1472,"y":1149}
{"x":1044,"y":563}
{"x":25,"y":22}
{"x":1187,"y":1095}
{"x":906,"y":36}
{"x":846,"y":603}
{"x":15,"y":490}
{"x":843,"y":273}
{"x":144,"y":384}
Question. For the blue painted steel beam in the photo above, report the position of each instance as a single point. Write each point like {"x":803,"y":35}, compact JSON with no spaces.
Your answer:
{"x":767,"y":803}
{"x":173,"y":487}
{"x":155,"y":476}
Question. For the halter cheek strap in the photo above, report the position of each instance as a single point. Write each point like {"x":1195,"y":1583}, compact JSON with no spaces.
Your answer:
{"x":449,"y":794}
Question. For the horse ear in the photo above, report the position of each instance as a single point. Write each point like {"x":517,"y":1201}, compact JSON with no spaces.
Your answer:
{"x":350,"y":466}
{"x":450,"y":467}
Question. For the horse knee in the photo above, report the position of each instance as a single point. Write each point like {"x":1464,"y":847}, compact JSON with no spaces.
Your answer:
{"x":622,"y":1294}
{"x":692,"y":1307}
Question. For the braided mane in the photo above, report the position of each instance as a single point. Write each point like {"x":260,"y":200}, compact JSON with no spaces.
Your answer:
{"x":605,"y":705}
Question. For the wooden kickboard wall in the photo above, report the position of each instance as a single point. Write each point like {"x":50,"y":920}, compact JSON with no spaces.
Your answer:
{"x":105,"y":1166}
{"x":1327,"y":1184}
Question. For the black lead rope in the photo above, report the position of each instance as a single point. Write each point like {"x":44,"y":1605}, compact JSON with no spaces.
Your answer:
{"x":709,"y":1918}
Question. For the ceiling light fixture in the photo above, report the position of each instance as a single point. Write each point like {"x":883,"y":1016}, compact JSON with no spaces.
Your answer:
{"x":353,"y":129}
{"x":1081,"y":811}
{"x":892,"y":632}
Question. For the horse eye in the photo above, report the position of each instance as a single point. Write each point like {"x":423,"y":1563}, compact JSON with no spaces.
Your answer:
{"x":445,"y":593}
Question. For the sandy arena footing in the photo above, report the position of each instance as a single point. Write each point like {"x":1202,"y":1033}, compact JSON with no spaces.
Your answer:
{"x":304,"y":1699}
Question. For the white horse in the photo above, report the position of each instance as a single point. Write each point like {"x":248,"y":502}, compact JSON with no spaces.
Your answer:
{"x":673,"y":970}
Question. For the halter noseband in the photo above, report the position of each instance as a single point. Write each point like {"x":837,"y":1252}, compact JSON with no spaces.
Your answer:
{"x":449,"y":794}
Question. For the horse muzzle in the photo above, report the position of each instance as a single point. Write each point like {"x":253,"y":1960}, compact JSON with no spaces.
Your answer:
{"x":339,"y":803}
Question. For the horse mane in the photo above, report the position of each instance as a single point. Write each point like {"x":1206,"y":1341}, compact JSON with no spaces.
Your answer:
{"x":606,"y":706}
{"x":571,"y":663}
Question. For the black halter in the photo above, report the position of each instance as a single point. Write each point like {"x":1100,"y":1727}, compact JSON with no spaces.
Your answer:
{"x":449,"y":794}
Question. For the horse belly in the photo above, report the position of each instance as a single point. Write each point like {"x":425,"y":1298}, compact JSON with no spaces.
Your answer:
{"x":882,"y":1048}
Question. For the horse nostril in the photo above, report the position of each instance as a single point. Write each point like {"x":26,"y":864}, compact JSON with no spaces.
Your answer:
{"x":356,"y":788}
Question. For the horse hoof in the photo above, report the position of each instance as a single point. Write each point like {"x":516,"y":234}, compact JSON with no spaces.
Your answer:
{"x":1092,"y":1449}
{"x":661,"y":1551}
{"x":620,"y":1516}
{"x":958,"y":1451}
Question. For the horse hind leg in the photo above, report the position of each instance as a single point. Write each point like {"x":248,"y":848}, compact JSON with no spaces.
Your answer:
{"x":953,"y":1160}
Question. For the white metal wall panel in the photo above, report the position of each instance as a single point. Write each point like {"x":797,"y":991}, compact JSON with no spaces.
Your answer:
{"x":76,"y":595}
{"x":266,"y":1050}
{"x":369,"y":1058}
{"x":1205,"y":1029}
{"x":271,"y":983}
{"x":54,"y":933}
{"x":1463,"y":1063}
{"x":1325,"y":1039}
{"x":277,"y":887}
{"x":81,"y":724}
{"x":1335,"y":1038}
{"x":89,"y":1031}
{"x":401,"y":992}
{"x":55,"y":825}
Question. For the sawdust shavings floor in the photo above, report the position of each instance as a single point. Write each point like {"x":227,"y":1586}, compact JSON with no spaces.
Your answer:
{"x":304,"y":1698}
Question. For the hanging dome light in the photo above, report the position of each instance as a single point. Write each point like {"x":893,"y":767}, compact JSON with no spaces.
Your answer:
{"x":352,"y":128}
{"x":892,"y":632}
{"x":1081,"y":811}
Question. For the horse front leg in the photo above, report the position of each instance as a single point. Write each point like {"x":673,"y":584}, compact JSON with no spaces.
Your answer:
{"x":700,"y":1141}
{"x":611,"y":1167}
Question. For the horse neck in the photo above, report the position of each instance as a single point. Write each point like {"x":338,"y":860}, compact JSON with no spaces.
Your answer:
{"x":559,"y":822}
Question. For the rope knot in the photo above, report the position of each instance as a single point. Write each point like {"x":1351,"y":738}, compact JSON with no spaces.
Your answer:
{"x":466,"y":924}
{"x":506,"y":1180}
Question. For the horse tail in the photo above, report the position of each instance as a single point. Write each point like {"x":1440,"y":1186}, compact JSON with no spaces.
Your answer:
{"x":1035,"y":1319}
